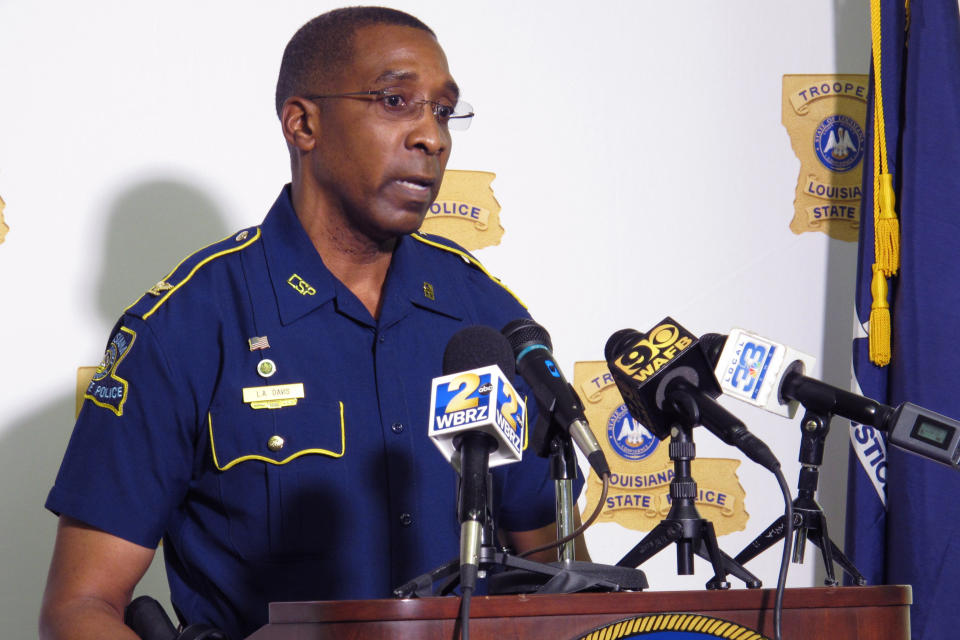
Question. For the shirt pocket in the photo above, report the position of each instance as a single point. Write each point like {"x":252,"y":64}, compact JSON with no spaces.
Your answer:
{"x":276,"y":467}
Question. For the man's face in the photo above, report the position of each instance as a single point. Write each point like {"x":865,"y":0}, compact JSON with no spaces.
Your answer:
{"x":380,"y":173}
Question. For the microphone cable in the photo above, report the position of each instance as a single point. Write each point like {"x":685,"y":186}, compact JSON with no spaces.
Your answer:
{"x":464,"y":620}
{"x":579,"y":530}
{"x":785,"y":559}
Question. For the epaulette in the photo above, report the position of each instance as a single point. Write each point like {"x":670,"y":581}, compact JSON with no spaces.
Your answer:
{"x":446,"y":244}
{"x":159,"y":293}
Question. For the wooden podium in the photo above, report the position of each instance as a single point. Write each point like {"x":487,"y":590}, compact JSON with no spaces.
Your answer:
{"x":864,"y":613}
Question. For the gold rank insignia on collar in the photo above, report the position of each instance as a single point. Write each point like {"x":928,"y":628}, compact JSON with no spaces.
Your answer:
{"x":428,"y":291}
{"x":159,"y":288}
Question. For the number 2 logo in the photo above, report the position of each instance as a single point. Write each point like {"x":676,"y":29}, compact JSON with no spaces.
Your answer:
{"x":467,"y":383}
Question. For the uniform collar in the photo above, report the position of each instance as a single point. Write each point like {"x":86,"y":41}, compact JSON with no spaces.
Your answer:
{"x":300,"y":280}
{"x":417,"y":278}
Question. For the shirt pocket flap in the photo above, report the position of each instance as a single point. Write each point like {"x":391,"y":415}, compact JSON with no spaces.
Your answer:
{"x":275,"y":436}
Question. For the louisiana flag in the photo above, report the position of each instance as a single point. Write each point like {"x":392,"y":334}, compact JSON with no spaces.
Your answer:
{"x":903,"y":511}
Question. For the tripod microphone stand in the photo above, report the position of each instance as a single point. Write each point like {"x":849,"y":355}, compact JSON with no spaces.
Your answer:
{"x":809,"y":521}
{"x":683,"y":524}
{"x":510,"y":573}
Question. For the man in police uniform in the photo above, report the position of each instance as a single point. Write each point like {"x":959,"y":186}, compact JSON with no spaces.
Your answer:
{"x":263,"y":408}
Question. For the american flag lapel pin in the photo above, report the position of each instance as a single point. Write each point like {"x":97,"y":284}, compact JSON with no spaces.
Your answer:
{"x":258,"y":342}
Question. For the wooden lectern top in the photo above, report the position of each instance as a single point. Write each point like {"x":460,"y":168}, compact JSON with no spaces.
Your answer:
{"x":865,"y":613}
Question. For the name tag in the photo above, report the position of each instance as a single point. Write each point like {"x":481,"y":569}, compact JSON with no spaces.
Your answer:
{"x":273,"y":396}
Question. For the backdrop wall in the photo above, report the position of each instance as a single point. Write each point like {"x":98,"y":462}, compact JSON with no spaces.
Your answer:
{"x":641,"y":165}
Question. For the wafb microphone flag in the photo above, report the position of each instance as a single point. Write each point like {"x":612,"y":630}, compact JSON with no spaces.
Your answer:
{"x":903,"y":511}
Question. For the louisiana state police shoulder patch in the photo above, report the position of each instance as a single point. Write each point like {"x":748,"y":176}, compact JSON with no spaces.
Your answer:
{"x":107,"y":389}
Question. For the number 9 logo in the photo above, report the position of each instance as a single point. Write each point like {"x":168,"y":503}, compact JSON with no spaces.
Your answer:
{"x":649,"y":347}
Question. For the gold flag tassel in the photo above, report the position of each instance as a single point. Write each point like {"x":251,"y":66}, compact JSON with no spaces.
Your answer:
{"x":879,"y":320}
{"x":886,"y":226}
{"x":886,"y":232}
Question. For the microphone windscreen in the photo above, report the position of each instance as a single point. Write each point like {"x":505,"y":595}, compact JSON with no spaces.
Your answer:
{"x":614,"y":345}
{"x":478,"y":346}
{"x":712,"y":345}
{"x":524,"y":332}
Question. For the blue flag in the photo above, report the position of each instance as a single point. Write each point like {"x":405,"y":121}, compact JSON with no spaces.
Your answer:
{"x":903,"y":511}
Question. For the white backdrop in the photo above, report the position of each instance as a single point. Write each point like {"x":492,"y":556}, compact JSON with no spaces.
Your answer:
{"x":641,"y":168}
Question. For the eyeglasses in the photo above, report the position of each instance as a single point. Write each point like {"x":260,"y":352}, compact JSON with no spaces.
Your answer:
{"x":397,"y":105}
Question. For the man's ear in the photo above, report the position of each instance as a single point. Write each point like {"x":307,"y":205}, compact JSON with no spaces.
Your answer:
{"x":300,"y":120}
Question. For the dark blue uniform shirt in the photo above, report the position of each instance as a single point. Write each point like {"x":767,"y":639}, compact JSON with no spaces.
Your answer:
{"x":340,"y":495}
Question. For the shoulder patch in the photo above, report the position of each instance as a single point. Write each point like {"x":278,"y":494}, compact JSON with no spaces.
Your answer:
{"x":106,"y":388}
{"x":159,"y":293}
{"x":445,"y":244}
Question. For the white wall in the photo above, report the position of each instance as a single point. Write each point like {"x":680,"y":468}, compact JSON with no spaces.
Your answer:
{"x":640,"y":162}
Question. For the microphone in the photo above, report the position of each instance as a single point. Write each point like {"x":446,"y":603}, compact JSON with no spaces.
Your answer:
{"x":736,"y":355}
{"x":664,"y":377}
{"x":477,"y":421}
{"x":557,"y":401}
{"x":753,"y":369}
{"x":926,"y":433}
{"x":740,"y":367}
{"x":475,"y":394}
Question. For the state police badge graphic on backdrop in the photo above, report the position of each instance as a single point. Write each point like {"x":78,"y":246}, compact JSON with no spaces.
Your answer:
{"x":824,"y":116}
{"x":640,"y":465}
{"x":466,"y":210}
{"x":3,"y":227}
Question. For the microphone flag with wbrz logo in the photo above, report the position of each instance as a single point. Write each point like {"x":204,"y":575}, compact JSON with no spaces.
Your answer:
{"x":480,"y":399}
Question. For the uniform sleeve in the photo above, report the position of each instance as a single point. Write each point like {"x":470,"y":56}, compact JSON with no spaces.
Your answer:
{"x":129,"y":460}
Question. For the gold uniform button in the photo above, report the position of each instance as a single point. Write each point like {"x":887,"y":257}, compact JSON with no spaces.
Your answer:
{"x":275,"y":443}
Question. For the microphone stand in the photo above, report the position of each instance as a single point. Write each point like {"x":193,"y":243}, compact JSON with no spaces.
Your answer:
{"x":809,"y":521}
{"x":547,"y":578}
{"x":563,"y":468}
{"x":683,"y":524}
{"x":527,"y":576}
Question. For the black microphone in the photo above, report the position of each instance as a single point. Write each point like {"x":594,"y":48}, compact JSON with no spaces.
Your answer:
{"x":557,"y":401}
{"x":782,"y":380}
{"x":909,"y":426}
{"x":472,"y":348}
{"x":664,"y":377}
